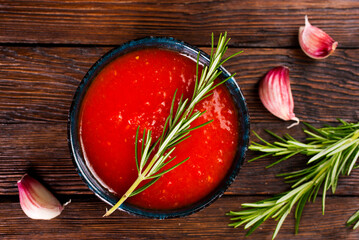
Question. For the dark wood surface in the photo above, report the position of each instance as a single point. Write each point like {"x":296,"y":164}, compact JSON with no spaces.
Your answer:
{"x":46,"y":47}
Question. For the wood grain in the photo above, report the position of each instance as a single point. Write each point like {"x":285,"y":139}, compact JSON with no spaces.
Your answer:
{"x":37,"y":83}
{"x":250,"y":23}
{"x":42,"y":150}
{"x":82,"y":220}
{"x":46,"y":47}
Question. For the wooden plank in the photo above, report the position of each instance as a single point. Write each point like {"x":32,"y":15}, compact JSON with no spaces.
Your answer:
{"x":82,"y":220}
{"x":255,"y":24}
{"x":38,"y":83}
{"x":42,"y":150}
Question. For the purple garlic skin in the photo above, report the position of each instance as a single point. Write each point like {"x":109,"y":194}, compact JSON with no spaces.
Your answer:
{"x":315,"y":42}
{"x":276,"y":94}
{"x":36,"y":201}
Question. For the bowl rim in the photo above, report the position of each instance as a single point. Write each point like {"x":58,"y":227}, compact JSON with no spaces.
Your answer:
{"x":75,"y":147}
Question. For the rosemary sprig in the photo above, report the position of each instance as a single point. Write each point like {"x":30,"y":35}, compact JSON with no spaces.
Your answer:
{"x":154,"y":155}
{"x":332,"y":150}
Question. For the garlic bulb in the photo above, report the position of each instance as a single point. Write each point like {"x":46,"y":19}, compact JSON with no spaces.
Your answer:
{"x":276,"y":95}
{"x":36,"y":201}
{"x":315,"y":42}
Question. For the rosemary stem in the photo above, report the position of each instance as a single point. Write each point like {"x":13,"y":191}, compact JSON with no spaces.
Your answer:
{"x":133,"y":187}
{"x":125,"y":196}
{"x":333,"y":150}
{"x":150,"y":165}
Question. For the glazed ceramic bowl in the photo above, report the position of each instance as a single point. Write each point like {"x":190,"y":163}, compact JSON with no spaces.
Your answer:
{"x":74,"y":141}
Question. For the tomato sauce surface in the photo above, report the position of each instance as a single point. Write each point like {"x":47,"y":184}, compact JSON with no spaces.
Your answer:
{"x":136,"y":89}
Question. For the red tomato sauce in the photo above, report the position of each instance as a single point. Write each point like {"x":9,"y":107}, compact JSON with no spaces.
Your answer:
{"x":136,"y":90}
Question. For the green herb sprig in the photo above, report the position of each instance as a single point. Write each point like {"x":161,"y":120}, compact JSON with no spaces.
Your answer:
{"x":154,"y":155}
{"x":334,"y":152}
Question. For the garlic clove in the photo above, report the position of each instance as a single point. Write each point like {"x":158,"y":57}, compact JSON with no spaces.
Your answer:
{"x":315,"y":42}
{"x":276,"y":95}
{"x":36,"y":201}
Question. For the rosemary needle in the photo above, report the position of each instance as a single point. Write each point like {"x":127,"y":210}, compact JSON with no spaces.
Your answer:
{"x":154,"y":155}
{"x":333,"y":151}
{"x":354,"y":220}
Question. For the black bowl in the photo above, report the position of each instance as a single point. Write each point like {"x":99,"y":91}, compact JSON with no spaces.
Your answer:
{"x":76,"y":150}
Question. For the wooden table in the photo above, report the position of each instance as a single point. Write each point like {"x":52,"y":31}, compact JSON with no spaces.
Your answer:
{"x":47,"y":47}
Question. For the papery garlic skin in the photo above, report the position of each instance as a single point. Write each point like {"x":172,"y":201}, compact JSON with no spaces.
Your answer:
{"x":315,"y":42}
{"x":276,"y":94}
{"x":36,"y":201}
